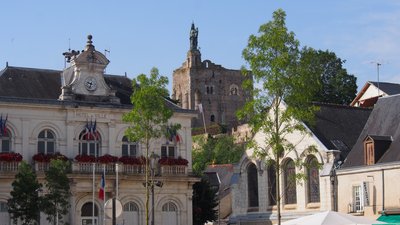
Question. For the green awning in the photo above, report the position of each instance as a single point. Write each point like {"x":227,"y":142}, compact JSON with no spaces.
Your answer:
{"x":390,"y":219}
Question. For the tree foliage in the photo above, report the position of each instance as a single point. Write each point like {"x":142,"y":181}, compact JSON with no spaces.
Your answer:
{"x":204,"y":202}
{"x":337,"y":86}
{"x":282,"y":91}
{"x":215,"y":150}
{"x":149,"y":115}
{"x":24,"y":201}
{"x":56,"y":200}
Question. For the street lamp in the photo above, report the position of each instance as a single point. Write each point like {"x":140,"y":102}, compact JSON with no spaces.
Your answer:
{"x":153,"y":166}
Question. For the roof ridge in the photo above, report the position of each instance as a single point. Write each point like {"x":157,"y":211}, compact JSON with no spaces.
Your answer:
{"x":31,"y":68}
{"x":340,"y":106}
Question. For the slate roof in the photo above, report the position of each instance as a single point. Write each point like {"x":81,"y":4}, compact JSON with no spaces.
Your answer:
{"x":225,"y":172}
{"x":383,"y":121}
{"x":30,"y":83}
{"x":388,"y":88}
{"x":44,"y":86}
{"x":338,"y":126}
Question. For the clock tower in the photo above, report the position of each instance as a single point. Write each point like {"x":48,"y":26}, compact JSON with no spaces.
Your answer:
{"x":84,"y":78}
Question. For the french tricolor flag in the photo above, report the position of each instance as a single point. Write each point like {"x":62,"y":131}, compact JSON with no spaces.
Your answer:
{"x":102,"y":187}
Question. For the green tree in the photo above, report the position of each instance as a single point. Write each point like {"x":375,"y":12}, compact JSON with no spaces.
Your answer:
{"x":337,"y":86}
{"x":149,"y":115}
{"x":56,"y":200}
{"x":204,"y":202}
{"x":282,"y":92}
{"x":25,"y":200}
{"x":221,"y":149}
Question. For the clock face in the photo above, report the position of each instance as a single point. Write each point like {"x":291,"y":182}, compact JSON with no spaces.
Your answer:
{"x":90,"y":83}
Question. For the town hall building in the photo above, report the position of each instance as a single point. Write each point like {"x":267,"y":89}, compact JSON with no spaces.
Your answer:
{"x":78,"y":112}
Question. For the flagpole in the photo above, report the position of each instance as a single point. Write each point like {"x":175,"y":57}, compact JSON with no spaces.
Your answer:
{"x":116,"y":185}
{"x":93,"y":169}
{"x":104,"y":199}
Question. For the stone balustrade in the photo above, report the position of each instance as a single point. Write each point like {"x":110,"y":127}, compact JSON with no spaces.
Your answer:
{"x":167,"y":170}
{"x":87,"y":167}
{"x":9,"y":166}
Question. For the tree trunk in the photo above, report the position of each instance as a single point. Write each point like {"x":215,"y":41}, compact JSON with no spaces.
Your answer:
{"x":147,"y":181}
{"x":278,"y":194}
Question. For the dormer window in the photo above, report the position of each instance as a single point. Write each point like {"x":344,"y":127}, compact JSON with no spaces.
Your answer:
{"x":374,"y":148}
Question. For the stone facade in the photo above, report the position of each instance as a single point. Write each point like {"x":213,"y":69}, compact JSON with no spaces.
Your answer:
{"x":265,"y":211}
{"x":335,"y":131}
{"x":81,"y":94}
{"x":217,"y":89}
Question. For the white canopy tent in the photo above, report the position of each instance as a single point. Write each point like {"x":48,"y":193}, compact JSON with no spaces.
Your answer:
{"x":332,"y":218}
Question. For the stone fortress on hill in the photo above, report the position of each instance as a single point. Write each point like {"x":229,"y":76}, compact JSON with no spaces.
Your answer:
{"x":216,"y":89}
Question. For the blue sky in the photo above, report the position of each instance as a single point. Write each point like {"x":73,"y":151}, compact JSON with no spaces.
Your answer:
{"x":145,"y":34}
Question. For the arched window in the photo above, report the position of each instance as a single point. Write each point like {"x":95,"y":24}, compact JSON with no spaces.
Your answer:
{"x":5,"y":142}
{"x":129,"y":148}
{"x":313,"y":179}
{"x":252,"y":185}
{"x":271,"y":183}
{"x":87,"y":209}
{"x":46,"y":142}
{"x":4,"y":216}
{"x":87,"y":213}
{"x":233,"y":90}
{"x":131,"y":213}
{"x":289,"y":182}
{"x":89,"y":143}
{"x":131,"y":207}
{"x":169,"y":214}
{"x":212,"y":118}
{"x":169,"y":207}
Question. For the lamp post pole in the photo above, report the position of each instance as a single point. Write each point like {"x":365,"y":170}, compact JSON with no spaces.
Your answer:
{"x":153,"y":158}
{"x":152,"y":195}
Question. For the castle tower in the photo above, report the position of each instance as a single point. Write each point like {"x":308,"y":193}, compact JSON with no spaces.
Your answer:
{"x":217,"y":89}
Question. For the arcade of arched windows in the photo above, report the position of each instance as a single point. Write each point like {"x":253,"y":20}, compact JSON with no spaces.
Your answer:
{"x":46,"y":139}
{"x":288,"y":182}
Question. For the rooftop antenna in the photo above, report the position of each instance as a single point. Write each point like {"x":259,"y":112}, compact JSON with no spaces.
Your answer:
{"x":70,"y":54}
{"x":378,"y":64}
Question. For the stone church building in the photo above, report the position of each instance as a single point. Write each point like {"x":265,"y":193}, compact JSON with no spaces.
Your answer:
{"x":78,"y":112}
{"x":218,"y":90}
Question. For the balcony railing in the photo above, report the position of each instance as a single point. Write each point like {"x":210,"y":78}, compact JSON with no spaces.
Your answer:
{"x":87,"y":168}
{"x":173,"y":170}
{"x":9,"y":166}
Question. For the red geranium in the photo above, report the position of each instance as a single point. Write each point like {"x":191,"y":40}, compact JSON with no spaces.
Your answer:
{"x":131,"y":160}
{"x":41,"y":157}
{"x":107,"y":159}
{"x":173,"y":161}
{"x":85,"y":158}
{"x":10,"y":157}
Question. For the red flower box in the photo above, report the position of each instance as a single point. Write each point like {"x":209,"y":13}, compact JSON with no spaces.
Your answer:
{"x":173,"y":161}
{"x":85,"y":158}
{"x":41,"y":157}
{"x":131,"y":160}
{"x":10,"y":157}
{"x":107,"y":159}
